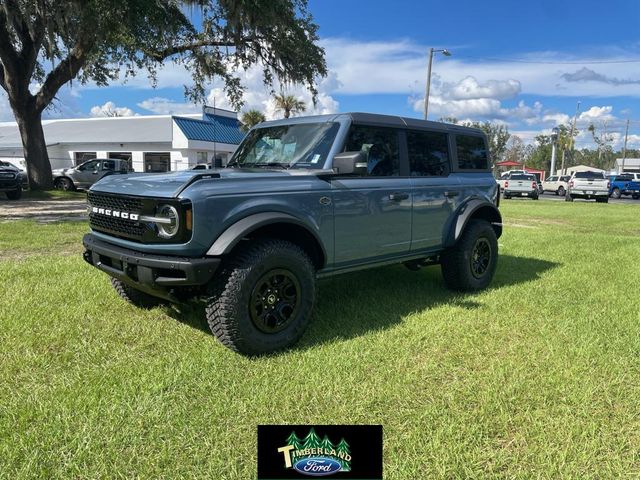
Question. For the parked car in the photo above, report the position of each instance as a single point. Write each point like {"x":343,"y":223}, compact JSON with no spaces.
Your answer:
{"x":521,"y":185}
{"x":588,"y":185}
{"x":302,"y":198}
{"x":633,"y":188}
{"x":88,"y":173}
{"x":505,"y":176}
{"x":557,"y":184}
{"x":201,"y":166}
{"x":618,"y":185}
{"x":11,"y":180}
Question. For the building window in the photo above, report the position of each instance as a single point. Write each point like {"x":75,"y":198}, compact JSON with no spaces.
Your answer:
{"x":202,"y":157}
{"x":157,"y":162}
{"x":80,"y":157}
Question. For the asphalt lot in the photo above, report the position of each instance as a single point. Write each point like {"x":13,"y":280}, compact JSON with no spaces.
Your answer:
{"x":557,"y":198}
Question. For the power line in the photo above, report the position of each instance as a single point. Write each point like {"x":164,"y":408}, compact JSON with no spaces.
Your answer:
{"x":549,"y":62}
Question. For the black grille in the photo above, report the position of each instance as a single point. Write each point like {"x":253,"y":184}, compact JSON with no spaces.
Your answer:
{"x":7,"y":175}
{"x":126,"y":204}
{"x":120,"y":227}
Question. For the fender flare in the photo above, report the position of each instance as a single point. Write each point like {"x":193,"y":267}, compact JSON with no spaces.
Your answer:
{"x":466,"y":212}
{"x":238,"y":230}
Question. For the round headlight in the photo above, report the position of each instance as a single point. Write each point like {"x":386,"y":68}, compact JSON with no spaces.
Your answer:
{"x":168,"y":229}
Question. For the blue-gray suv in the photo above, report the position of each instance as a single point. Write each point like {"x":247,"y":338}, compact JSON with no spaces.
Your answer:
{"x":300,"y":200}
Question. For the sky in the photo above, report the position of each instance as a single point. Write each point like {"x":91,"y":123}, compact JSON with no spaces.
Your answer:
{"x":524,"y":64}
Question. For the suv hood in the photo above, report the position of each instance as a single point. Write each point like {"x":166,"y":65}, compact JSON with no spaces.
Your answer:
{"x":171,"y":185}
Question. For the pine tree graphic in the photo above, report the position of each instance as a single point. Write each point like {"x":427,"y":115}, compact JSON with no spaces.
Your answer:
{"x":343,"y":448}
{"x":295,"y":441}
{"x":326,"y":445}
{"x":312,"y":440}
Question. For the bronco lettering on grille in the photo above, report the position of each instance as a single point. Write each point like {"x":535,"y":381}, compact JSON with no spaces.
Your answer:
{"x":115,"y":213}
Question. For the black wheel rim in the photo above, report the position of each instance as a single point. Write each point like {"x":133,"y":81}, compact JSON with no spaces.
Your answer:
{"x":480,"y":257}
{"x":275,"y":301}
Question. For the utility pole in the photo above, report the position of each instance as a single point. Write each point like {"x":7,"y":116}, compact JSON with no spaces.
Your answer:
{"x":573,"y":128}
{"x":624,"y":149}
{"x":554,"y":146}
{"x":432,"y":50}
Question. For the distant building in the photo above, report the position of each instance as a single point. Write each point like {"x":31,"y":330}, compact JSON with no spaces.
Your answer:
{"x":153,"y":143}
{"x":631,"y":165}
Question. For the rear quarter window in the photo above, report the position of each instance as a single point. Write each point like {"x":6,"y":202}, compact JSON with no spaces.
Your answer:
{"x":472,"y":152}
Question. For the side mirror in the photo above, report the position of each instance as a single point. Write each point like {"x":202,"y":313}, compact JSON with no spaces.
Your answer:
{"x":349,"y":163}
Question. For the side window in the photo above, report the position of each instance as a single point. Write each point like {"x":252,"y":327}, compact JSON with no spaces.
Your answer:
{"x":89,"y":166}
{"x":552,"y":179}
{"x":380,"y":146}
{"x":108,"y":165}
{"x":428,"y":154}
{"x":472,"y":153}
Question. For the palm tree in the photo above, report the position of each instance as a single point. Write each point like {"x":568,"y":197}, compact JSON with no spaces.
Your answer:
{"x":251,"y":118}
{"x":289,"y":104}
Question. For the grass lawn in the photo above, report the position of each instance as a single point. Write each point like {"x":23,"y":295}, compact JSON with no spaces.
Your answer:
{"x":537,"y":377}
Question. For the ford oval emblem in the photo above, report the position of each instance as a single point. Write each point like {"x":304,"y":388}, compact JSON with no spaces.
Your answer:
{"x":317,"y":466}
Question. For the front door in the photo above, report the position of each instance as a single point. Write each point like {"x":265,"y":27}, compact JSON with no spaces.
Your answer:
{"x":87,"y":174}
{"x":372,"y":212}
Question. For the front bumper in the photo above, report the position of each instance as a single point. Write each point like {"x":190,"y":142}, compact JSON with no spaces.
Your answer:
{"x":158,"y":275}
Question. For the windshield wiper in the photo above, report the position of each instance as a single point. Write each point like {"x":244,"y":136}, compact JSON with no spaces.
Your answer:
{"x":284,"y":166}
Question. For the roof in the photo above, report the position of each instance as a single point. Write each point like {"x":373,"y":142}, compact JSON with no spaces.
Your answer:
{"x":140,"y":129}
{"x":508,"y":163}
{"x":377,"y":119}
{"x":628,"y":162}
{"x":215,"y":128}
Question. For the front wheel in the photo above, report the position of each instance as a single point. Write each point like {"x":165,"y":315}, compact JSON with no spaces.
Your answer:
{"x":471,"y":263}
{"x":134,"y":296}
{"x":16,"y":194}
{"x":64,"y":184}
{"x":635,"y":196}
{"x":262,"y":299}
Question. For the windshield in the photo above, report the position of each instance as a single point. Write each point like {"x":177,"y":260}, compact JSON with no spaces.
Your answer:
{"x":523,"y":177}
{"x":590,"y":175}
{"x":302,"y":145}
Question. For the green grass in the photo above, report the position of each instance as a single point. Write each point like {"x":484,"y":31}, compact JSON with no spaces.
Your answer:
{"x":537,"y":377}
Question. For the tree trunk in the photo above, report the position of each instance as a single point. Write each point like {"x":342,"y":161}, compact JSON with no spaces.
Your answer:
{"x":35,"y":149}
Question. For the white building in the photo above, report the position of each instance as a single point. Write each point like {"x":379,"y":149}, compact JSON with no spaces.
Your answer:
{"x":153,"y":143}
{"x":631,"y":165}
{"x":578,"y":168}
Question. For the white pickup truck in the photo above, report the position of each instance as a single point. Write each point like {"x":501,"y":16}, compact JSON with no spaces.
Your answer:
{"x":588,"y":185}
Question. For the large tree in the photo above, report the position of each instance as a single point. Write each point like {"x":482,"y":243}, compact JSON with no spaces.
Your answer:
{"x":45,"y":44}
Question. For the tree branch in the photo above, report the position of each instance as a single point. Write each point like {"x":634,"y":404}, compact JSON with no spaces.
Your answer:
{"x":160,"y":55}
{"x":64,"y":72}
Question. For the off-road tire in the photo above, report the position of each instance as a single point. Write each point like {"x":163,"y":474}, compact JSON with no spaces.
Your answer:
{"x":456,"y":262}
{"x":65,"y":184}
{"x":228,"y":311}
{"x":561,"y":192}
{"x":615,"y":193}
{"x":134,"y":296}
{"x":16,"y":194}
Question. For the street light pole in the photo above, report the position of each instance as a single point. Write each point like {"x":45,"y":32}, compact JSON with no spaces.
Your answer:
{"x":432,"y":50}
{"x":554,"y":146}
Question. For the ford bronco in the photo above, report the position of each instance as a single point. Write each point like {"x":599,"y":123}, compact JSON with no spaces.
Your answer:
{"x":301,"y":199}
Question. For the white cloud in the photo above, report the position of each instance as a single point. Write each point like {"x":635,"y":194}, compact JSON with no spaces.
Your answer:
{"x":109,"y":109}
{"x":164,"y":106}
{"x":469,"y":88}
{"x":597,"y":114}
{"x":556,"y":118}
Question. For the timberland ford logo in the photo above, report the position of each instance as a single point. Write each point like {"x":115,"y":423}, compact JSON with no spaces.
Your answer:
{"x":115,"y":213}
{"x":315,"y":456}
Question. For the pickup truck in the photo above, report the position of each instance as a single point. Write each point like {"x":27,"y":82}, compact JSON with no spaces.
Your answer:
{"x":633,"y":189}
{"x":88,"y":173}
{"x":588,"y":185}
{"x":301,"y":199}
{"x":620,"y":185}
{"x":521,"y":185}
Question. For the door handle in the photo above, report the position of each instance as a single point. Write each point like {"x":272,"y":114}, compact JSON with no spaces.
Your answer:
{"x":451,"y":194}
{"x":396,"y":197}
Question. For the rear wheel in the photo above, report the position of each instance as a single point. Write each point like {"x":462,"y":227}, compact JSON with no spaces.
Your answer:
{"x":134,"y":296}
{"x":568,"y":198}
{"x":262,"y":299}
{"x":560,"y":191}
{"x":635,"y":196}
{"x":16,"y":194}
{"x":64,"y":184}
{"x":471,"y":263}
{"x":616,"y":193}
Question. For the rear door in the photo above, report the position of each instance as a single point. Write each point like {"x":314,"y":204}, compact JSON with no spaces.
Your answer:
{"x":372,"y":212}
{"x":436,"y":193}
